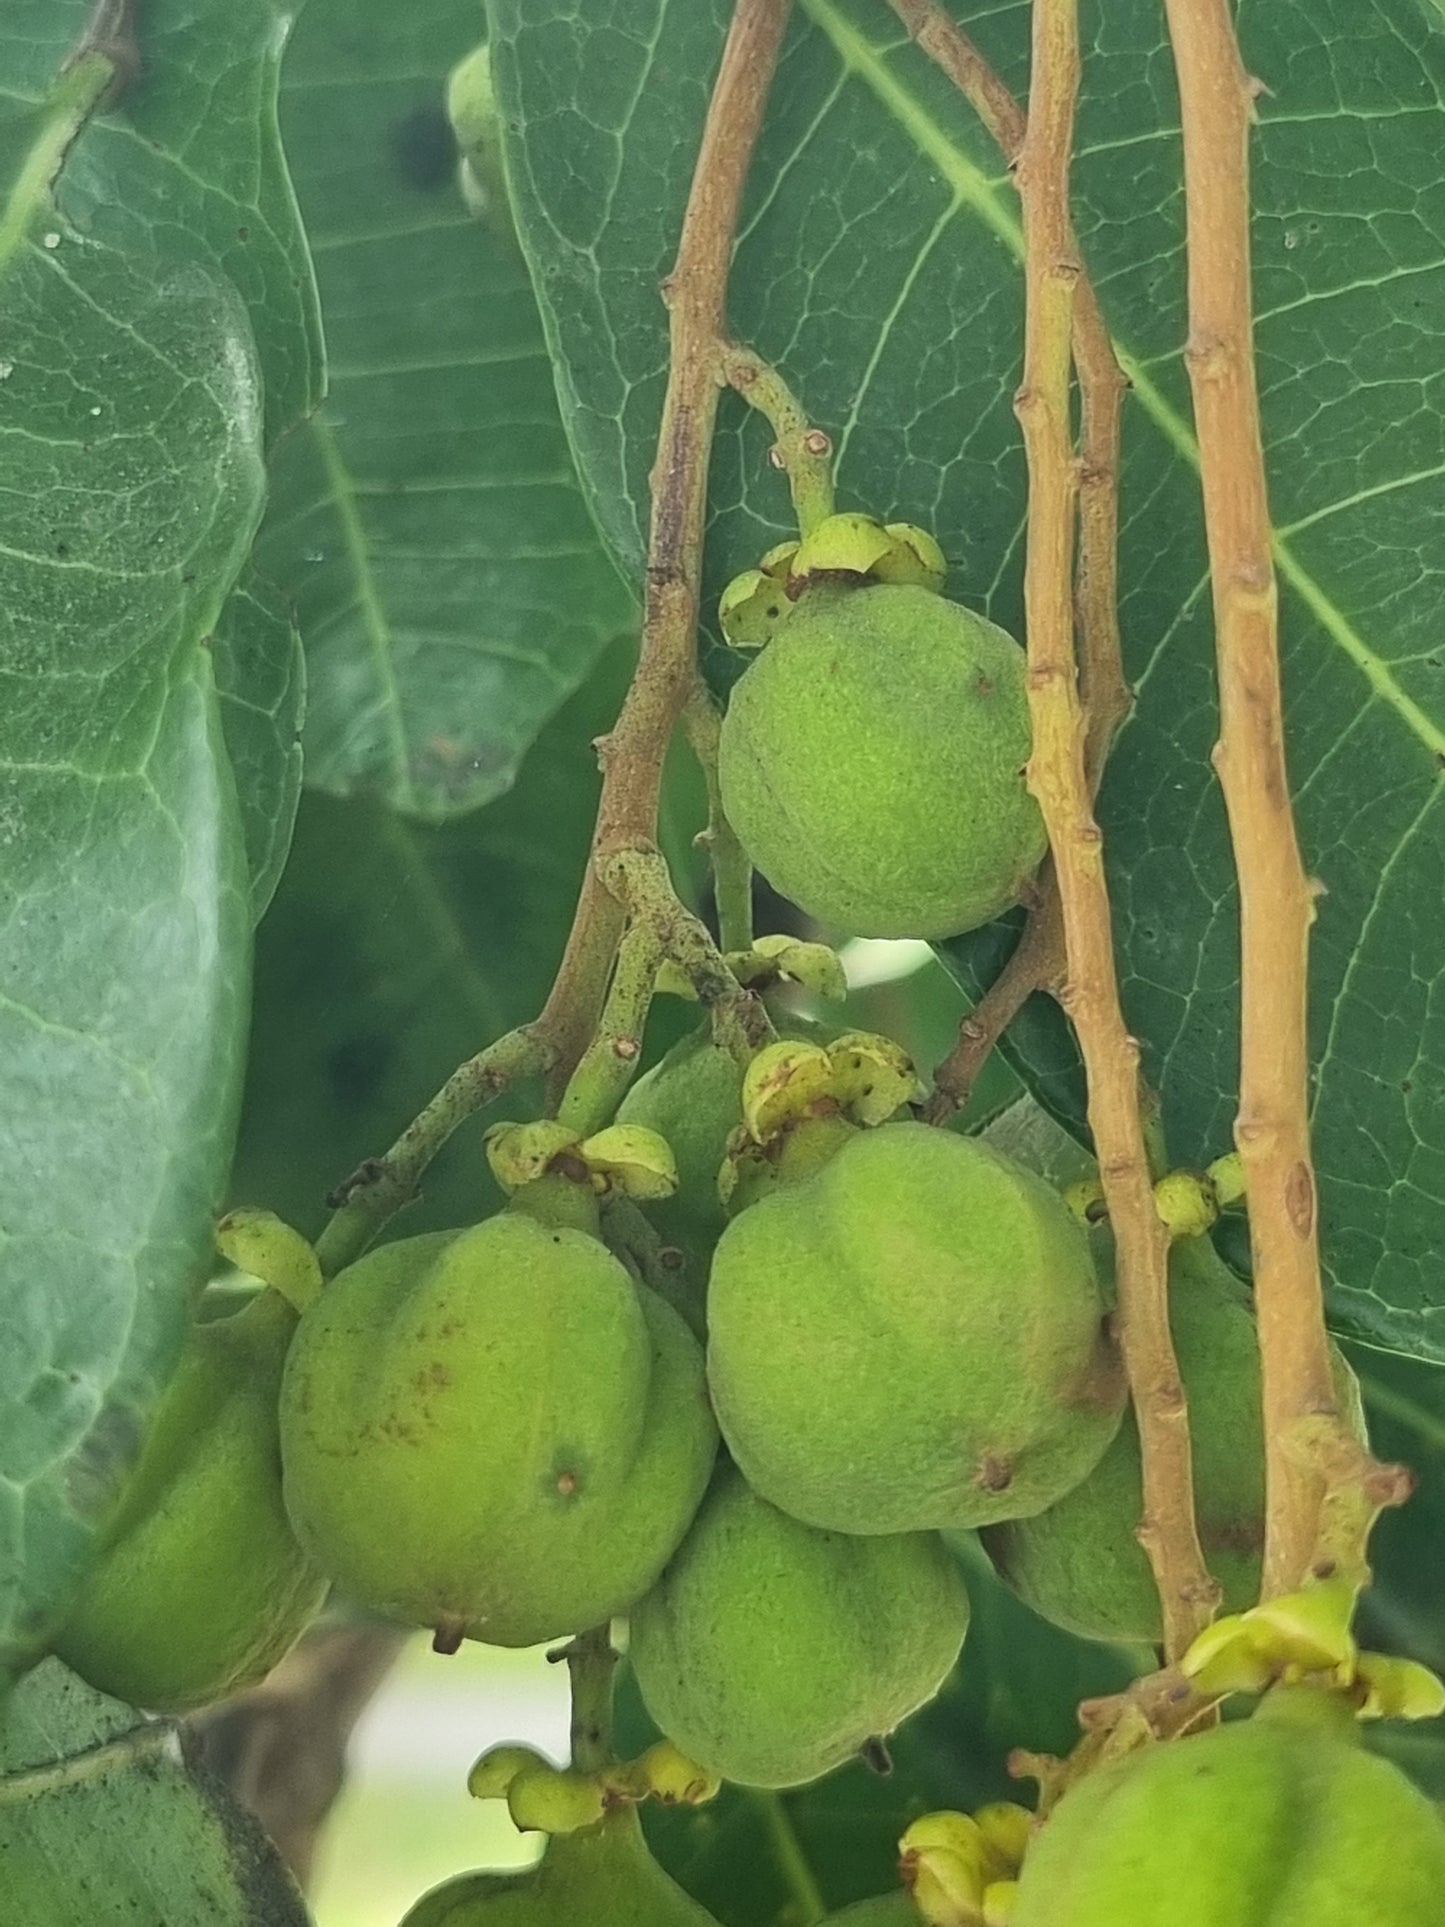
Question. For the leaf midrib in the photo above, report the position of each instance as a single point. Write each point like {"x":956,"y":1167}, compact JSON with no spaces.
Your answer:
{"x":974,"y":189}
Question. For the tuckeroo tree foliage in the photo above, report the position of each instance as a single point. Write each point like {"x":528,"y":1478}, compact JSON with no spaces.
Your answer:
{"x":327,"y":504}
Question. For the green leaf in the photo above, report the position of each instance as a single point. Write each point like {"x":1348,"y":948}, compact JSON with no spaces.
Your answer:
{"x":104,"y":1824}
{"x":394,"y":950}
{"x":450,"y":586}
{"x":261,"y":679}
{"x":878,"y":260}
{"x":761,"y":1859}
{"x":130,"y":417}
{"x":189,"y":170}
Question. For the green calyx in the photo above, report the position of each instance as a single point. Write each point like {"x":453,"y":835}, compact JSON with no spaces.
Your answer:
{"x":1269,"y":1822}
{"x":968,"y":1374}
{"x":841,"y":550}
{"x":872,"y":762}
{"x":602,"y":1876}
{"x":1078,"y":1563}
{"x":200,"y":1587}
{"x":771,"y":1652}
{"x":494,"y":1433}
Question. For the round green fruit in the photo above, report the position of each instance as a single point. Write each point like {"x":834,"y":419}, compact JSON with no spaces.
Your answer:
{"x":771,"y":1653}
{"x":494,"y":1432}
{"x":601,"y":1877}
{"x":200,"y":1586}
{"x":872,"y":763}
{"x":1079,"y":1563}
{"x":1282,"y":1820}
{"x":911,"y":1338}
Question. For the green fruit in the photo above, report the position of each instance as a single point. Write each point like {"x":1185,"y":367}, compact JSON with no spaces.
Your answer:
{"x":913,"y":1337}
{"x":1079,"y":1563}
{"x":200,"y":1586}
{"x":771,"y":1653}
{"x":494,"y":1432}
{"x":602,"y":1877}
{"x":872,"y":763}
{"x":1282,"y":1820}
{"x":693,"y":1098}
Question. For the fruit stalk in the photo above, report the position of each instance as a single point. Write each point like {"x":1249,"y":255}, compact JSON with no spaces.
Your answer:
{"x":1058,"y":777}
{"x":1038,"y":961}
{"x":640,"y":880}
{"x":632,"y":753}
{"x":600,"y":1079}
{"x":1276,"y":898}
{"x":731,"y":871}
{"x":591,"y":1663}
{"x":802,"y":452}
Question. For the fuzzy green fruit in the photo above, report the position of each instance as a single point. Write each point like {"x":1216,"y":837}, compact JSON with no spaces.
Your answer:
{"x":494,"y":1432}
{"x":1282,"y":1820}
{"x":201,"y":1587}
{"x":601,"y":1877}
{"x":771,"y":1653}
{"x":872,"y":760}
{"x":911,"y":1338}
{"x":1079,"y":1564}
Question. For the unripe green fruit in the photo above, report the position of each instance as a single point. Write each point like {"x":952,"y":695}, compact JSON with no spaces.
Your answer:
{"x":602,"y":1877}
{"x":911,"y":1338}
{"x":693,"y":1098}
{"x":771,"y":1653}
{"x":494,"y":1432}
{"x":201,"y":1587}
{"x":872,"y":760}
{"x":1079,"y":1563}
{"x":1282,"y":1820}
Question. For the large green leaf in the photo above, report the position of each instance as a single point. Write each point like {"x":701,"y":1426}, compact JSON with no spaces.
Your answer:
{"x":261,"y":680}
{"x":450,"y":586}
{"x":395,"y":949}
{"x":103,"y":1822}
{"x":131,"y":419}
{"x":879,"y":264}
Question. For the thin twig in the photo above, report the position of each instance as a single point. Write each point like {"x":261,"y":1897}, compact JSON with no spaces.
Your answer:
{"x":1058,"y":778}
{"x":1037,"y":962}
{"x":381,"y":1186}
{"x":804,"y":453}
{"x":632,"y":755}
{"x":732,"y":872}
{"x":1276,"y":899}
{"x":696,"y":291}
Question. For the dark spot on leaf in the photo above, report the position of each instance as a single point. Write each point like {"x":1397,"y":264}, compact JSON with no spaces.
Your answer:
{"x":243,"y":234}
{"x":424,"y":149}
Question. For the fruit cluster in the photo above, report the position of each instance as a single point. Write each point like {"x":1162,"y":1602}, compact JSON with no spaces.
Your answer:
{"x":879,"y":1334}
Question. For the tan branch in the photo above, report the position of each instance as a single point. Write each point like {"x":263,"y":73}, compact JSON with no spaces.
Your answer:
{"x":281,"y":1748}
{"x":696,"y":295}
{"x":1058,"y":776}
{"x":1037,"y":961}
{"x":1275,"y":896}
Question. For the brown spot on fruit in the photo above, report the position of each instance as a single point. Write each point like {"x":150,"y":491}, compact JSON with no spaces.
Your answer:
{"x":448,"y":1636}
{"x":994,"y":1474}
